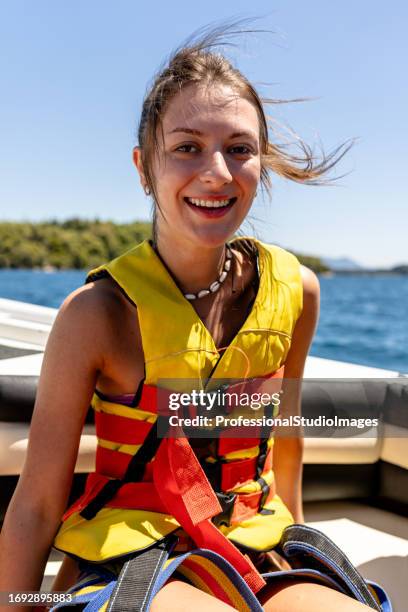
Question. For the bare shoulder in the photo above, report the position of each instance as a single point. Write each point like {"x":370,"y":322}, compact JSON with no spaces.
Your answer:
{"x":311,"y":285}
{"x":91,"y":320}
{"x":99,"y":299}
{"x":97,"y":305}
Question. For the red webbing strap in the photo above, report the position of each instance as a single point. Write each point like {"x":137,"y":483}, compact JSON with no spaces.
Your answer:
{"x":131,"y":495}
{"x":189,"y":497}
{"x":237,"y":473}
{"x":120,"y":429}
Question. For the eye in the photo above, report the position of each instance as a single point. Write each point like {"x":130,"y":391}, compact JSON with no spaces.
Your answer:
{"x":241,"y":149}
{"x":187,"y":148}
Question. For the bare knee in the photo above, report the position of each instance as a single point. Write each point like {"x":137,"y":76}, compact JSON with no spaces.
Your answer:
{"x":178,"y":596}
{"x":309,"y":597}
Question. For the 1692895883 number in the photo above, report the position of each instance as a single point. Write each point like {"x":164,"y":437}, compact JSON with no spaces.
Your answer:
{"x":29,"y":598}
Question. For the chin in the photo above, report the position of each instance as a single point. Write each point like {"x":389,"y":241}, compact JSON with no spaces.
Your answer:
{"x":212,"y":239}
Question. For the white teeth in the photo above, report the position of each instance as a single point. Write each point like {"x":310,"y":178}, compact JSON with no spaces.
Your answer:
{"x":208,"y":203}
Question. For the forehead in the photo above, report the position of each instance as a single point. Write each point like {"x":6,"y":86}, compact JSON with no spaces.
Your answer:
{"x":213,"y":107}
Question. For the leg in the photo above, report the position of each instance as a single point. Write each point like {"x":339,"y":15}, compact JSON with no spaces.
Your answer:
{"x":67,"y":576}
{"x":178,"y":596}
{"x":308,"y":597}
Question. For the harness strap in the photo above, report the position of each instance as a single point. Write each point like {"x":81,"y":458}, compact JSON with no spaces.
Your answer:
{"x":204,"y":564}
{"x":204,"y":569}
{"x":97,"y":602}
{"x":136,"y":580}
{"x":264,"y":454}
{"x":134,"y":472}
{"x":189,"y":497}
{"x":304,"y":546}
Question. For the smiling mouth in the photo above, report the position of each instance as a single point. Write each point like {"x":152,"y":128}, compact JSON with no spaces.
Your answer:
{"x":200,"y":203}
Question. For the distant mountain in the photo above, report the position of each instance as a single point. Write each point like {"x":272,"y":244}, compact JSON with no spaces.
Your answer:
{"x":402,"y":269}
{"x":341,"y":263}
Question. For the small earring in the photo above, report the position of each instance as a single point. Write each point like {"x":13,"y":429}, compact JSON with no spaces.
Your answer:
{"x":147,"y":190}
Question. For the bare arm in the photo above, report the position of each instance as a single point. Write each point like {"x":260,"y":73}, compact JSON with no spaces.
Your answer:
{"x":71,"y":364}
{"x":288,"y":451}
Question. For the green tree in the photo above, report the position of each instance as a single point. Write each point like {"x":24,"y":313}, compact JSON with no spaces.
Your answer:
{"x":79,"y":243}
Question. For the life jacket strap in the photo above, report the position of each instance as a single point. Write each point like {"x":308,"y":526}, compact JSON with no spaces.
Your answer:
{"x":238,"y":507}
{"x":100,"y":500}
{"x":227,"y":502}
{"x":189,"y":497}
{"x":134,"y":472}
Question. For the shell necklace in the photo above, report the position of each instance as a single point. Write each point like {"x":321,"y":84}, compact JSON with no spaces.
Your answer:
{"x":213,"y":288}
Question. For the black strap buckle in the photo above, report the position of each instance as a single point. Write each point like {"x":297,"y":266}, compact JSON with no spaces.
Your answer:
{"x":265,"y":492}
{"x":227,"y":501}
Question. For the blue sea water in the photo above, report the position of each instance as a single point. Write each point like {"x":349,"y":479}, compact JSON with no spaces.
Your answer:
{"x":364,"y":319}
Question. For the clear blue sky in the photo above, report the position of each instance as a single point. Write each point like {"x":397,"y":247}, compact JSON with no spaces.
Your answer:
{"x":73,"y":75}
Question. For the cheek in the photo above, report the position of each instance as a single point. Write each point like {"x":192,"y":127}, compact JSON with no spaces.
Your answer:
{"x":251,"y":173}
{"x":176,"y":172}
{"x":171,"y":180}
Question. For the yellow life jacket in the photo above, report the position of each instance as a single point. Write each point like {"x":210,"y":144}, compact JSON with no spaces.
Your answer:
{"x":177,"y":344}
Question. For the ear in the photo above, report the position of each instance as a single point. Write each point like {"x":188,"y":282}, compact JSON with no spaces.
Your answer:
{"x":137,"y":160}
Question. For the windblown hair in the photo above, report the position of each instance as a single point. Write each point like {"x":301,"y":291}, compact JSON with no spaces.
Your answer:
{"x":199,"y":62}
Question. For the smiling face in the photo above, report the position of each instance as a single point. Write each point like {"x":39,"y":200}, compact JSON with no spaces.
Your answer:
{"x":208,"y":165}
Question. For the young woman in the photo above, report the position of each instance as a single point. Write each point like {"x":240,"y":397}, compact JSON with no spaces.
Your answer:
{"x":191,"y":304}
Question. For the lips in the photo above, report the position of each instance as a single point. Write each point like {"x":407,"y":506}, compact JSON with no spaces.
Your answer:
{"x":211,"y":204}
{"x":211,"y":209}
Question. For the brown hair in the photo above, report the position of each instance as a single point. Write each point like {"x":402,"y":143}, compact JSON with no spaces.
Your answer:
{"x":198,"y":62}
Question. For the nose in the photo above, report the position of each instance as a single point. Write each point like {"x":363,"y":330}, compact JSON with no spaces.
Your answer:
{"x":215,"y":170}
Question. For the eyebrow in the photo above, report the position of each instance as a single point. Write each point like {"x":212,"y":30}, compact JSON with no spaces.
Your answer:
{"x":187,"y":130}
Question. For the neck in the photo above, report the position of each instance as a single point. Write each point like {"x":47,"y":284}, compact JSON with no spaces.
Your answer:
{"x":194,"y":267}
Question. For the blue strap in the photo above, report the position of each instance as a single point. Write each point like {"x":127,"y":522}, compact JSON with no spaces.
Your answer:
{"x":320,"y":555}
{"x":222,"y":564}
{"x":313,"y":549}
{"x":385,"y":602}
{"x":88,"y":598}
{"x":99,"y":598}
{"x":310,"y":547}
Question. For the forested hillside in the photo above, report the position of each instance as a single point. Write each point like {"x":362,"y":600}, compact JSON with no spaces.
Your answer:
{"x":69,"y":244}
{"x":78,"y":243}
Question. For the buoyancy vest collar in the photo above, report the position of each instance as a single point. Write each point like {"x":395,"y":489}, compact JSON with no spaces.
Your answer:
{"x":160,"y":269}
{"x":187,"y":341}
{"x":219,"y":351}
